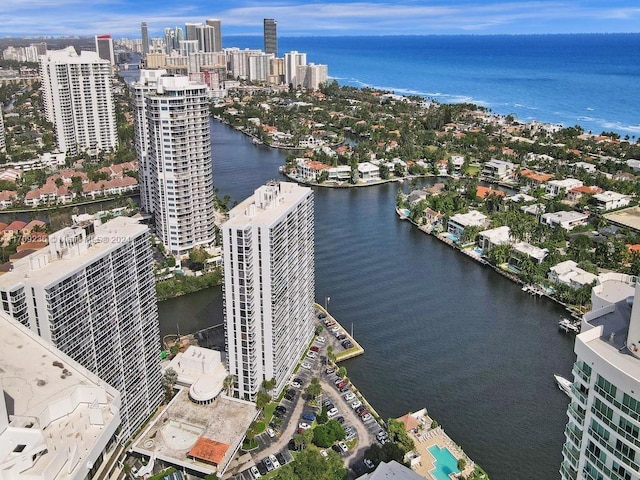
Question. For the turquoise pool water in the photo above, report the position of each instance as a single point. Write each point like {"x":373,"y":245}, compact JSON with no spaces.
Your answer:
{"x":445,"y":463}
{"x":405,"y":212}
{"x":451,"y":237}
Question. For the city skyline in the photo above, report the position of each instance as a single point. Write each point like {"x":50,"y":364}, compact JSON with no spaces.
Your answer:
{"x":300,"y":18}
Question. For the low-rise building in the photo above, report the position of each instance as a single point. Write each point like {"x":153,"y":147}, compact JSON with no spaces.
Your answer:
{"x":568,"y":273}
{"x":575,"y":194}
{"x":495,"y":236}
{"x":526,"y":249}
{"x":368,"y":172}
{"x":458,"y":222}
{"x":556,"y":187}
{"x":609,"y":200}
{"x":341,"y":173}
{"x":498,"y":170}
{"x":567,"y":220}
{"x":7,"y":198}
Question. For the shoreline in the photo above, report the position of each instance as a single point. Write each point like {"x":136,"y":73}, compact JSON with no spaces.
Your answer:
{"x":483,"y":262}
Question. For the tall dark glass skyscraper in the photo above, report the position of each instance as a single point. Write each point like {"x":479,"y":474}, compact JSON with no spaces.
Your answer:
{"x":145,"y":38}
{"x":270,"y":36}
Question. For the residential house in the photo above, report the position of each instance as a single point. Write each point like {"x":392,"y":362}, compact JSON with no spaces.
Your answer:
{"x":556,"y":187}
{"x":568,"y":273}
{"x":498,"y":170}
{"x":521,"y":198}
{"x":433,"y":218}
{"x":495,"y":236}
{"x":610,"y":200}
{"x":368,"y":172}
{"x":7,"y":198}
{"x":341,"y":173}
{"x":534,"y":209}
{"x":526,"y":249}
{"x":534,"y":178}
{"x":458,"y":222}
{"x":416,"y":196}
{"x":585,"y":166}
{"x":575,"y":194}
{"x":10,"y":174}
{"x":566,"y":220}
{"x":12,"y":231}
{"x":483,"y":192}
{"x":310,"y":170}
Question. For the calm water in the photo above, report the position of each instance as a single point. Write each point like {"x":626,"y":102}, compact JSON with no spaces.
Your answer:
{"x":588,"y":79}
{"x":439,"y":330}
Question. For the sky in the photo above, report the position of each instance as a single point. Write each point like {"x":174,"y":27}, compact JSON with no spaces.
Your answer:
{"x":122,"y":18}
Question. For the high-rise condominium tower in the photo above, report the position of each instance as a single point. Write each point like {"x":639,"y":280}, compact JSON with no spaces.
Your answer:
{"x":3,"y":143}
{"x":92,"y":295}
{"x":269,"y":284}
{"x":603,"y":431}
{"x":145,"y":38}
{"x":104,"y":47}
{"x":173,"y":135}
{"x":217,"y":43}
{"x":292,"y":61}
{"x":77,"y":97}
{"x":270,"y":36}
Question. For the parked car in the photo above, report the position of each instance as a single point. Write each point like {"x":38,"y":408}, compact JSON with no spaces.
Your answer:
{"x":320,"y":339}
{"x":333,"y":412}
{"x":254,"y":472}
{"x":281,"y":408}
{"x":306,"y":365}
{"x":311,"y":354}
{"x":343,"y":446}
{"x":347,"y":344}
{"x":366,"y":417}
{"x":382,"y":434}
{"x":329,"y":371}
{"x":334,"y":329}
{"x":322,"y":315}
{"x":349,"y":396}
{"x":336,"y":448}
{"x":271,"y":433}
{"x":304,"y":426}
{"x":356,"y":404}
{"x":274,"y":461}
{"x":281,"y":458}
{"x":342,"y":383}
{"x":340,"y":420}
{"x":341,"y":337}
{"x":267,"y":463}
{"x":359,"y":409}
{"x":350,"y":436}
{"x":308,"y":416}
{"x":369,"y":464}
{"x":326,"y":402}
{"x":314,"y":348}
{"x":296,"y":383}
{"x":338,"y":380}
{"x":344,"y":389}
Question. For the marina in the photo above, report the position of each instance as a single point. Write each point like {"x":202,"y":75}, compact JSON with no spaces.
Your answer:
{"x":568,"y":326}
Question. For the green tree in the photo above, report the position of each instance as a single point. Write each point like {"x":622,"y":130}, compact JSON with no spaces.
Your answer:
{"x":169,"y":379}
{"x":228,"y":383}
{"x":310,"y":465}
{"x":314,"y":389}
{"x":398,"y":434}
{"x":262,"y":399}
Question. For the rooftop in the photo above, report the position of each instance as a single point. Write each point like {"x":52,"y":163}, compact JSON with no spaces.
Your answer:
{"x":55,"y":407}
{"x":174,"y":434}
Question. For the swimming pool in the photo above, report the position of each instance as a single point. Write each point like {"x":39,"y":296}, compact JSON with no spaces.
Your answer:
{"x":445,"y":463}
{"x":451,"y":237}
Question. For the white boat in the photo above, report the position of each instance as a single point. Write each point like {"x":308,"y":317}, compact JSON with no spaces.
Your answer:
{"x":563,"y":384}
{"x":566,"y":326}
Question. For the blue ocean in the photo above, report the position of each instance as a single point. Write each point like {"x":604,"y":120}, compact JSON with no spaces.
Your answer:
{"x":589,"y":80}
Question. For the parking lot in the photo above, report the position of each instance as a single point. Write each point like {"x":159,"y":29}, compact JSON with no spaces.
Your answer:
{"x":294,"y":408}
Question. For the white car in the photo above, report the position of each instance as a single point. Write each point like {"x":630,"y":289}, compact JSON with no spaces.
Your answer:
{"x":255,"y":472}
{"x":311,"y":354}
{"x":343,"y":446}
{"x":270,"y":432}
{"x":366,"y":417}
{"x":324,"y":453}
{"x":356,"y":404}
{"x":368,"y":463}
{"x":306,"y":365}
{"x":304,"y":426}
{"x":333,"y":412}
{"x":334,"y":329}
{"x":296,"y":384}
{"x":274,"y":460}
{"x":349,"y":396}
{"x":320,"y":339}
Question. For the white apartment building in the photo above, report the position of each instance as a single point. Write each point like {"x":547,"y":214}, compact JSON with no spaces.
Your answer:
{"x":3,"y":142}
{"x":76,"y":91}
{"x":317,"y":74}
{"x":603,"y":430}
{"x":604,"y":201}
{"x":269,"y":284}
{"x":92,"y":295}
{"x":61,"y":421}
{"x":259,"y":67}
{"x":177,"y":178}
{"x":292,"y":60}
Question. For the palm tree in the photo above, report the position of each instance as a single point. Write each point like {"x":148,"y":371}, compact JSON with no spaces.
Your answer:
{"x":314,"y":389}
{"x":228,"y":383}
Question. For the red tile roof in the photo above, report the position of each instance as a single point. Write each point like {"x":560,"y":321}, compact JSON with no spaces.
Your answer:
{"x":208,"y":450}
